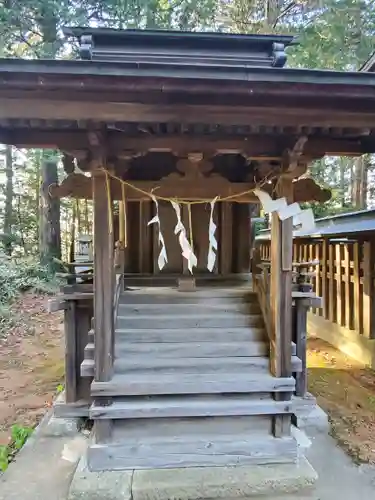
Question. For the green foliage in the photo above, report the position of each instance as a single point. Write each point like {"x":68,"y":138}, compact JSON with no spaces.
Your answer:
{"x":19,"y":436}
{"x":60,"y":389}
{"x":4,"y":457}
{"x":19,"y":275}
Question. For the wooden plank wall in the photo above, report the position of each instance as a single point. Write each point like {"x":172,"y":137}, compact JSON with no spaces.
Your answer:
{"x":344,"y":279}
{"x":233,"y":235}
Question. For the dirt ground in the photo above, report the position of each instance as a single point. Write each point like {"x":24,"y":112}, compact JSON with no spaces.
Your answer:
{"x":346,"y":391}
{"x":31,"y":363}
{"x":32,"y":367}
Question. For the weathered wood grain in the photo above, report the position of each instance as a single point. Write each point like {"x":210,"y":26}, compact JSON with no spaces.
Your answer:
{"x":184,"y":308}
{"x":132,"y":385}
{"x":192,"y":349}
{"x":203,"y":453}
{"x":70,"y":331}
{"x":139,"y":363}
{"x":163,"y":407}
{"x":190,"y":335}
{"x":103,"y":293}
{"x":189,"y":321}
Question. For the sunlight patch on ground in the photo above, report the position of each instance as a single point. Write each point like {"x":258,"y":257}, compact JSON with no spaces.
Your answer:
{"x":345,"y":389}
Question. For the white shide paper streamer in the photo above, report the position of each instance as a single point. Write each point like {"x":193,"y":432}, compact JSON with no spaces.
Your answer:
{"x":302,"y":219}
{"x":187,"y":251}
{"x":212,"y":242}
{"x":162,"y":259}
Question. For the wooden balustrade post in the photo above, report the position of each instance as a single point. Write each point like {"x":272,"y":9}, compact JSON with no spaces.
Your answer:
{"x":300,"y":311}
{"x":70,"y":352}
{"x":368,"y":290}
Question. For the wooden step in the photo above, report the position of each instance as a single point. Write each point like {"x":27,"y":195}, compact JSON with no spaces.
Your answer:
{"x":87,"y":368}
{"x":186,"y":365}
{"x":190,"y":321}
{"x":213,"y":307}
{"x":188,"y":349}
{"x":147,"y":335}
{"x":89,"y":351}
{"x":198,"y":452}
{"x":162,"y":429}
{"x":130,"y":384}
{"x":170,"y":296}
{"x":177,"y":365}
{"x":191,"y":349}
{"x":191,"y":406}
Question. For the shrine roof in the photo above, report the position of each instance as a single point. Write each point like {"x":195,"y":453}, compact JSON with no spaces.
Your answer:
{"x":369,"y":65}
{"x":209,"y":84}
{"x":336,"y":226}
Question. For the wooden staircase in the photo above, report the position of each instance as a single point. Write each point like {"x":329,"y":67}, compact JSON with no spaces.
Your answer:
{"x":191,"y":384}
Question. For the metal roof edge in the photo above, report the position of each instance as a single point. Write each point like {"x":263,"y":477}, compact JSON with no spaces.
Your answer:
{"x":78,"y":31}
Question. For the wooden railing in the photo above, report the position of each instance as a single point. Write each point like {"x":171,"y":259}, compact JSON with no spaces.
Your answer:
{"x":77,"y":303}
{"x":345,"y":279}
{"x":303,"y":297}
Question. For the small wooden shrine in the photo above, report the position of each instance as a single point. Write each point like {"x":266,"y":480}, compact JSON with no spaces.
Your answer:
{"x":184,"y":133}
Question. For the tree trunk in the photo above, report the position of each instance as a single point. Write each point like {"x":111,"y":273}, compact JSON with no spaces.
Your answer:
{"x":8,"y":208}
{"x":342,"y":181}
{"x":50,"y":227}
{"x":357,"y":182}
{"x":364,"y":177}
{"x":360,"y":182}
{"x":50,"y":237}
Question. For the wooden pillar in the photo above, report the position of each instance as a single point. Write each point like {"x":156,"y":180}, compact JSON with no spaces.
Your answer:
{"x":281,"y":300}
{"x":103,"y":280}
{"x":103,"y":296}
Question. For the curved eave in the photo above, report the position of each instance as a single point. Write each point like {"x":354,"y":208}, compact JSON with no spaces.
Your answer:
{"x":19,"y":69}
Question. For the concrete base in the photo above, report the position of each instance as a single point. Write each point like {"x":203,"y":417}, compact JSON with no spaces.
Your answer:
{"x":227,"y":483}
{"x":59,"y":427}
{"x":279,"y":482}
{"x":309,"y":417}
{"x":88,"y":485}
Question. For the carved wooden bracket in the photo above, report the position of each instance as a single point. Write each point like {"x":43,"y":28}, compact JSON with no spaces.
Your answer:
{"x":293,"y":164}
{"x":192,"y":169}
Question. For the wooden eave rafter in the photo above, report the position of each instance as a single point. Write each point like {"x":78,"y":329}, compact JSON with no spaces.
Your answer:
{"x":254,"y":146}
{"x":76,"y":91}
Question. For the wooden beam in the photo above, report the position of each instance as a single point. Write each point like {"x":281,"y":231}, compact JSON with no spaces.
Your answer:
{"x":21,"y":108}
{"x":79,"y":186}
{"x":252,"y":145}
